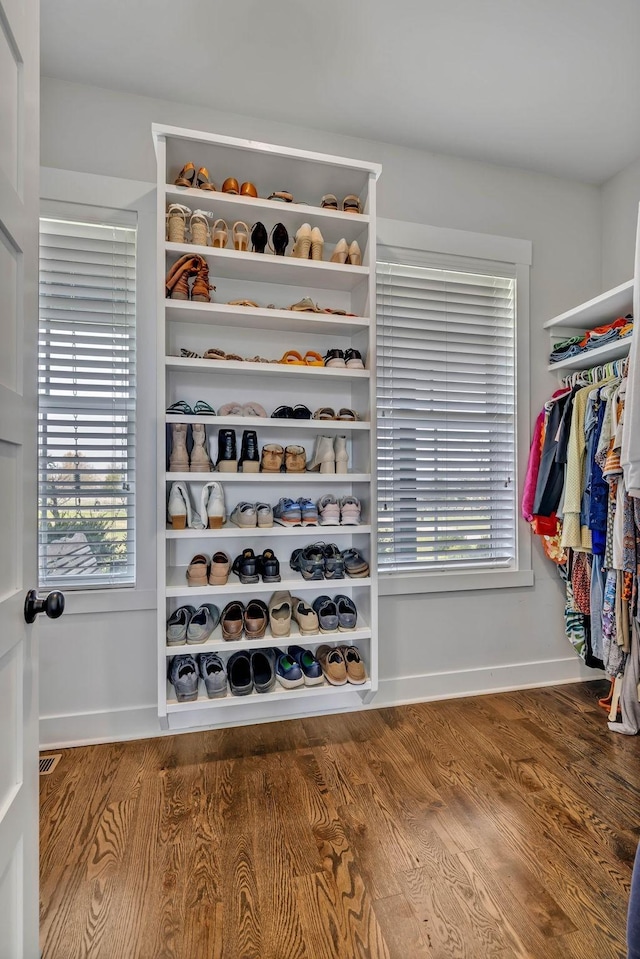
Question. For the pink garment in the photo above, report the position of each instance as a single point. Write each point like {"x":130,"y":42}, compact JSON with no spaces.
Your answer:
{"x":533,"y":467}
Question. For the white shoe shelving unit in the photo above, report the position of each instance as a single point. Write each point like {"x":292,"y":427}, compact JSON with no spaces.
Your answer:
{"x":602,"y":309}
{"x":269,"y":331}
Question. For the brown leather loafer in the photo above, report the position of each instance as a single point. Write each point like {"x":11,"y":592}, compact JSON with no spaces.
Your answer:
{"x":256,"y":617}
{"x":232,"y":621}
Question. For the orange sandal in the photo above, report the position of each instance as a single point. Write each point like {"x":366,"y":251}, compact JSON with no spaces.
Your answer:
{"x":292,"y":358}
{"x":311,"y":358}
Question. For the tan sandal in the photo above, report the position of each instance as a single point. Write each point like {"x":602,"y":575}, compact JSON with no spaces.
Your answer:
{"x":351,"y":204}
{"x":243,"y":303}
{"x":311,"y":358}
{"x":186,"y":176}
{"x":203,"y":181}
{"x":324,"y":413}
{"x":240,"y":236}
{"x":329,"y":202}
{"x":219,"y":234}
{"x":292,"y":358}
{"x":305,"y":305}
{"x":214,"y":354}
{"x":346,"y":414}
{"x":199,"y":227}
{"x":177,"y":223}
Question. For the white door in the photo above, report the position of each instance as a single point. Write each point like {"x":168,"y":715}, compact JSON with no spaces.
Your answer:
{"x":19,"y":166}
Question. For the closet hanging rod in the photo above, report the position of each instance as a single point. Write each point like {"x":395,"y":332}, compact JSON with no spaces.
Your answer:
{"x":596,"y":374}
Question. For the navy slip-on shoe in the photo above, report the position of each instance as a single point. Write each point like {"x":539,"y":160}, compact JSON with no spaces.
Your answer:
{"x":347,"y":612}
{"x":288,"y":671}
{"x":327,"y":614}
{"x":309,"y":665}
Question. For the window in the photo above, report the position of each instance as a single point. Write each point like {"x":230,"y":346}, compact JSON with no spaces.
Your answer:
{"x":87,"y":393}
{"x":446,"y":417}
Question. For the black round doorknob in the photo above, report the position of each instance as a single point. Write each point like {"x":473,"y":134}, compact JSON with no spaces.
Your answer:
{"x":52,"y":605}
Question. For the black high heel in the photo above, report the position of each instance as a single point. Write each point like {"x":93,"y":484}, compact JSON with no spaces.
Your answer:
{"x":279,"y":239}
{"x":258,"y":238}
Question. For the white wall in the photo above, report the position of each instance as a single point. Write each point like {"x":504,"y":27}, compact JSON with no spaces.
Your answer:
{"x":98,"y":671}
{"x":620,"y":198}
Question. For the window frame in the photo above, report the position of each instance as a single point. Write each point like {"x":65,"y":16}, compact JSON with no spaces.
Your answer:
{"x":447,"y":247}
{"x":61,"y":189}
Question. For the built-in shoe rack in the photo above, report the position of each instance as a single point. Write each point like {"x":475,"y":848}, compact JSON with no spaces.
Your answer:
{"x":274,"y":283}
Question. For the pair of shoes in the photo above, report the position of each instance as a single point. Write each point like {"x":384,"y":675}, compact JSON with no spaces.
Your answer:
{"x":339,"y":613}
{"x":347,"y":253}
{"x":230,"y":185}
{"x":253,"y":670}
{"x":299,"y":412}
{"x":250,"y":620}
{"x":243,"y":409}
{"x":203,"y":571}
{"x":349,"y":359}
{"x":227,"y":460}
{"x":341,"y":665}
{"x":220,"y":235}
{"x":278,"y":241}
{"x":309,"y":244}
{"x":252,"y":515}
{"x":339,"y":512}
{"x":328,"y":413}
{"x":182,"y":515}
{"x":184,"y":671}
{"x":181,"y":460}
{"x":189,"y":178}
{"x":298,"y":667}
{"x":201,"y":408}
{"x":249,"y":568}
{"x":310,"y":358}
{"x":350,"y":204}
{"x":190,"y":625}
{"x":291,"y":459}
{"x":177,"y":280}
{"x":300,"y":512}
{"x":330,"y":455}
{"x":318,"y":561}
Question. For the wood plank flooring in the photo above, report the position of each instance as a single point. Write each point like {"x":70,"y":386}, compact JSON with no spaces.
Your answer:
{"x":498,"y":827}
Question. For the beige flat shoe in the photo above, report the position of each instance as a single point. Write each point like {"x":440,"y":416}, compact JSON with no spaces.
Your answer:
{"x":341,"y":252}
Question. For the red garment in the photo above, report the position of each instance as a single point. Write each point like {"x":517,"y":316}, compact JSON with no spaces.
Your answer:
{"x":621,"y":321}
{"x":533,"y":467}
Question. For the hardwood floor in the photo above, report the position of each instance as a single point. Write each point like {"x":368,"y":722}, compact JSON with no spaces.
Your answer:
{"x":501,"y":826}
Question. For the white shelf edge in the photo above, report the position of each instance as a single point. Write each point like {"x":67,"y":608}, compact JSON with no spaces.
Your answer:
{"x":602,"y":354}
{"x":262,"y":203}
{"x":218,"y":645}
{"x":325,"y":266}
{"x":236,"y":366}
{"x":303,"y":692}
{"x":270,"y":422}
{"x":288,"y":478}
{"x":235,"y":532}
{"x":236,"y":312}
{"x":233,"y":585}
{"x":607,"y":306}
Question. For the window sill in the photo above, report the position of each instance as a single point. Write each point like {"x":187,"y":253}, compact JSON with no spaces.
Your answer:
{"x":397,"y":584}
{"x":115,"y":600}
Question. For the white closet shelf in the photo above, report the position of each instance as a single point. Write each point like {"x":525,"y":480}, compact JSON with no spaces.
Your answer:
{"x":231,"y":207}
{"x":267,"y":268}
{"x":240,"y":532}
{"x":600,"y":310}
{"x":216,"y":644}
{"x":589,"y":358}
{"x":285,"y":478}
{"x":249,"y":318}
{"x":273,"y":424}
{"x":303,"y":692}
{"x":222,"y":367}
{"x":177,"y":585}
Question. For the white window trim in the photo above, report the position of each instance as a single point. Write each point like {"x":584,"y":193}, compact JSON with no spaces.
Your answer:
{"x":398,"y":234}
{"x":64,"y":186}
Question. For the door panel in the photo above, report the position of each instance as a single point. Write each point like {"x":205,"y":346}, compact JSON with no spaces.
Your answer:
{"x":19,"y":153}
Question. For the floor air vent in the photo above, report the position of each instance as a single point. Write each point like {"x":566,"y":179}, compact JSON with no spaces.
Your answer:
{"x":49,"y":763}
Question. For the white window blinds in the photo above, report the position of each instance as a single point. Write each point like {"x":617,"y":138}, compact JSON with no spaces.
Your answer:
{"x":87,"y":390}
{"x":446,"y":419}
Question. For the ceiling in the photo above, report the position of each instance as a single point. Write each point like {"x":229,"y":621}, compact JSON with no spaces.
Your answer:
{"x":547,"y":85}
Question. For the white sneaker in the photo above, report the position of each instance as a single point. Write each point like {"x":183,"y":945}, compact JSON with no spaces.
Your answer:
{"x":264,"y":512}
{"x":212,"y":505}
{"x":350,"y":510}
{"x":180,"y":511}
{"x":328,"y":510}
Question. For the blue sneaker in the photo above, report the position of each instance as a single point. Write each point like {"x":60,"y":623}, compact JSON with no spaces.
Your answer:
{"x":308,"y":511}
{"x":183,"y":676}
{"x":288,"y":671}
{"x":309,"y":665}
{"x":287,"y":513}
{"x":214,"y":674}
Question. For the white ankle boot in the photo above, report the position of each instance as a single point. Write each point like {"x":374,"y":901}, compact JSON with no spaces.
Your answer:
{"x":324,"y":457}
{"x":179,"y":458}
{"x":341,"y":454}
{"x":200,"y":462}
{"x":212,"y":508}
{"x":180,"y":511}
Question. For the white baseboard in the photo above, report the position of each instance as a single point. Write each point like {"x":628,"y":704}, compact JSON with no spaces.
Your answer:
{"x":84,"y":729}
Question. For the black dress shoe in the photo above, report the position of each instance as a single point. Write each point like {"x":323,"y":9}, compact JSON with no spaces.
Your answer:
{"x":227,"y":455}
{"x":250,"y":454}
{"x":269,"y":567}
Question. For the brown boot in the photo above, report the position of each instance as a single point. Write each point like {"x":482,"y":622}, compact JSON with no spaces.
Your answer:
{"x":201,"y":285}
{"x":177,"y":281}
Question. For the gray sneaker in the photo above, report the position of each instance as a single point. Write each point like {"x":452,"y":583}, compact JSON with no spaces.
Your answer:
{"x":183,"y":676}
{"x":202,"y":624}
{"x":177,"y":625}
{"x":214,"y":674}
